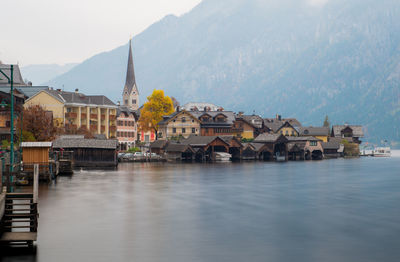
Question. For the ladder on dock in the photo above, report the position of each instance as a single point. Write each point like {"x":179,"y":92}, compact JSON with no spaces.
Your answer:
{"x":20,"y":220}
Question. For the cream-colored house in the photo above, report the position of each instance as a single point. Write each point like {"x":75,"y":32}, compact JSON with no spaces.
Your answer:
{"x":178,"y":124}
{"x":95,"y":113}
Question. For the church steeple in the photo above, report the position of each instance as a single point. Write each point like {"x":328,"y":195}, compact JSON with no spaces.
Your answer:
{"x":131,"y":92}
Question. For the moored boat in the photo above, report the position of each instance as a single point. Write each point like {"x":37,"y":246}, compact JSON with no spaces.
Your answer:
{"x":222,"y":156}
{"x":382,"y":152}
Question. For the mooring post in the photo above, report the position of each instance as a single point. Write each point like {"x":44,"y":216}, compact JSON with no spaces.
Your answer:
{"x":35,"y":183}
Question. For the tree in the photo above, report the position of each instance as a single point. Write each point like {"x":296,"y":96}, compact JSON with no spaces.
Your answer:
{"x":326,"y":122}
{"x":154,"y":109}
{"x":37,"y":124}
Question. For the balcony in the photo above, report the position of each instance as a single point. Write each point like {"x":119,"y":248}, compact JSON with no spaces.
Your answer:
{"x":103,"y":117}
{"x":93,"y":116}
{"x":71,"y":115}
{"x":83,"y":115}
{"x":112,"y":117}
{"x":93,"y":128}
{"x":113,"y":128}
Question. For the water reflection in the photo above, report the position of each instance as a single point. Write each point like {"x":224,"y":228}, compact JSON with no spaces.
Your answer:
{"x":336,"y":210}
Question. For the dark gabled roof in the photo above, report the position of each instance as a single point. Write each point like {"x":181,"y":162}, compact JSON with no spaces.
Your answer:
{"x":253,"y":120}
{"x":267,"y":138}
{"x":198,"y":140}
{"x":357,"y":130}
{"x":331,"y":145}
{"x":159,"y":144}
{"x":85,"y":143}
{"x":174,"y":147}
{"x":230,"y":118}
{"x":228,"y":139}
{"x":166,"y":119}
{"x":286,"y":124}
{"x":79,"y":98}
{"x":257,"y":146}
{"x":313,"y":131}
{"x":17,"y":77}
{"x":302,"y":138}
{"x":127,"y":111}
{"x":275,"y":124}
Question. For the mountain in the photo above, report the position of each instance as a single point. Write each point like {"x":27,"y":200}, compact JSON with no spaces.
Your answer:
{"x":299,"y":58}
{"x":39,"y":74}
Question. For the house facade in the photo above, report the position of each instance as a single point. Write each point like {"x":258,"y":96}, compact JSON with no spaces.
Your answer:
{"x":179,"y":124}
{"x":95,"y":113}
{"x":352,"y":132}
{"x":126,"y":128}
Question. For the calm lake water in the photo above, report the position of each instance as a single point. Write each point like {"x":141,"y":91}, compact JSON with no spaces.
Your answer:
{"x":332,"y":210}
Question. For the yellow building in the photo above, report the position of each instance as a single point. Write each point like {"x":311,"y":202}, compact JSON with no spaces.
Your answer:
{"x":178,"y":124}
{"x":287,"y":130}
{"x":95,"y":113}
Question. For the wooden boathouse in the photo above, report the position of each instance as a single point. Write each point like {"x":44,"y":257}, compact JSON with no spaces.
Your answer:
{"x":38,"y":153}
{"x":89,"y":152}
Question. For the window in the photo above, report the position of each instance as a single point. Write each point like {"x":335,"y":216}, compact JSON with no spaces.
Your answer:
{"x":287,"y":132}
{"x":183,"y":120}
{"x":174,"y":130}
{"x":313,"y":143}
{"x":126,"y":102}
{"x":126,"y":123}
{"x":192,"y":120}
{"x":292,"y":133}
{"x":281,"y":132}
{"x":133,"y":101}
{"x":183,"y":130}
{"x":193,"y":130}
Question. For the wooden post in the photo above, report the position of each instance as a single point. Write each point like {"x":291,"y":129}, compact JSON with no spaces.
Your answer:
{"x":35,"y":183}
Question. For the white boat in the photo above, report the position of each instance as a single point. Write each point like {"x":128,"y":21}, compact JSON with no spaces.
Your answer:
{"x":221,"y":156}
{"x":382,"y":152}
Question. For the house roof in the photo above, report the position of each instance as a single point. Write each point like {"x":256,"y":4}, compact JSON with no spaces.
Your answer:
{"x":127,"y":111}
{"x":230,"y":118}
{"x":296,"y":146}
{"x":301,"y":138}
{"x":198,"y":140}
{"x":158,"y":144}
{"x":17,"y":77}
{"x":174,"y":147}
{"x":79,"y":98}
{"x":331,"y":145}
{"x":167,"y":119}
{"x":35,"y":144}
{"x":275,"y":124}
{"x":357,"y":130}
{"x":228,"y":140}
{"x":26,"y":90}
{"x":267,"y":138}
{"x":254,"y":120}
{"x":85,"y":143}
{"x":313,"y":131}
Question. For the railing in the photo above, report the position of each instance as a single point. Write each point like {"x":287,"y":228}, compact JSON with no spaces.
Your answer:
{"x":71,"y":115}
{"x":83,"y":115}
{"x":93,"y":116}
{"x":103,"y":117}
{"x":112,"y":117}
{"x":93,"y":127}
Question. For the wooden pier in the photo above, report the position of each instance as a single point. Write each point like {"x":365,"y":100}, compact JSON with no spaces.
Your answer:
{"x":19,"y":216}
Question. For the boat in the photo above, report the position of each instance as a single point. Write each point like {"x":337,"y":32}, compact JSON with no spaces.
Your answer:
{"x":382,"y":152}
{"x":221,"y":156}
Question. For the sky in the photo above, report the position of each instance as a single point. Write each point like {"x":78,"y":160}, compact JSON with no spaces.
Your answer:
{"x":70,"y":31}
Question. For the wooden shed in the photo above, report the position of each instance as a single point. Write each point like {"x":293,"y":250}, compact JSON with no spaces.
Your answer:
{"x":35,"y":152}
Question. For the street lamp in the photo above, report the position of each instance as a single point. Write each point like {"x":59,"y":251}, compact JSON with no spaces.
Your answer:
{"x":11,"y":82}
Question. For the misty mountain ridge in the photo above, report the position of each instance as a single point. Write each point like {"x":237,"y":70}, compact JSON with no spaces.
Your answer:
{"x":303,"y":59}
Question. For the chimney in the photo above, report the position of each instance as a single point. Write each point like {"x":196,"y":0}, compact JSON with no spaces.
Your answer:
{"x":76,"y":91}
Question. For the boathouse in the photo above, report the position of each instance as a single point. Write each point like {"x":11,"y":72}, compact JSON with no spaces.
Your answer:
{"x":274,"y":147}
{"x":174,"y":151}
{"x":208,"y":144}
{"x":89,"y":152}
{"x":307,"y":148}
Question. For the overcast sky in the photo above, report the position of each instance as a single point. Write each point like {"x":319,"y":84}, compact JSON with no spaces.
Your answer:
{"x":65,"y":31}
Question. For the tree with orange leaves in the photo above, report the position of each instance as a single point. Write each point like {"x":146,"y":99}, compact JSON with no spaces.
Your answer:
{"x":157,"y":106}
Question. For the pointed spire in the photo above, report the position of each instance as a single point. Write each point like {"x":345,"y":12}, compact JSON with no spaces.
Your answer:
{"x":130,"y":73}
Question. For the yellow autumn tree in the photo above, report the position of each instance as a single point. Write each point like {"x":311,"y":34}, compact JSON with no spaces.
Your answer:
{"x":157,"y":106}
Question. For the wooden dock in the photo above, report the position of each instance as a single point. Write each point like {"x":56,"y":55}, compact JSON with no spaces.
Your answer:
{"x":19,"y":221}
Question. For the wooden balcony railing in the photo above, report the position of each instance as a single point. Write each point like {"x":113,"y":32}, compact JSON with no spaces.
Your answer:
{"x":93,"y":127}
{"x":71,"y":115}
{"x":113,"y":128}
{"x":103,"y":117}
{"x":93,"y":116}
{"x":112,"y":117}
{"x":83,"y":115}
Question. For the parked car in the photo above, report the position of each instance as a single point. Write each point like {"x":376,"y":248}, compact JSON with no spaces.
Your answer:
{"x":138,"y":154}
{"x":128,"y":156}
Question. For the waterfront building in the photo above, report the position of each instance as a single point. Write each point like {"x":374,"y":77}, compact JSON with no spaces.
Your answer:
{"x":334,"y":148}
{"x":179,"y":124}
{"x":305,"y":148}
{"x":274,"y":146}
{"x":89,"y":152}
{"x":321,"y":133}
{"x":352,"y":132}
{"x":285,"y":126}
{"x":256,"y":123}
{"x":95,"y":113}
{"x":126,"y":127}
{"x":5,"y":112}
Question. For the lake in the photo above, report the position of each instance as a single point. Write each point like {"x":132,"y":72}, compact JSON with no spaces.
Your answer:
{"x":331,"y":210}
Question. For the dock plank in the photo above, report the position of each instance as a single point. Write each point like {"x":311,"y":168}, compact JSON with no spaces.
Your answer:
{"x":18,"y":236}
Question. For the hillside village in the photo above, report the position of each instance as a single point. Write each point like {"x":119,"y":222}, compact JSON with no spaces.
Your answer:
{"x":194,"y":131}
